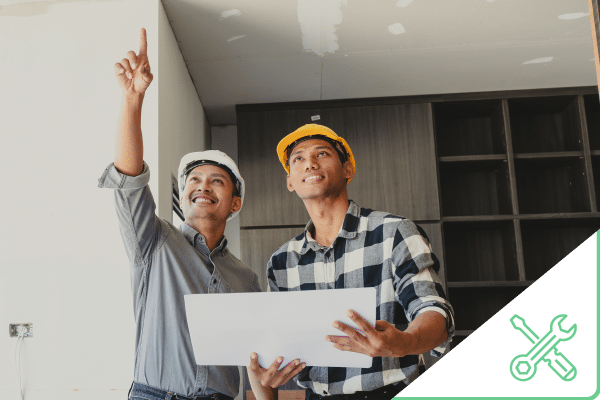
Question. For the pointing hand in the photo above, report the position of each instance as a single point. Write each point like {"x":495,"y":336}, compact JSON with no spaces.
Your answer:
{"x":133,"y":72}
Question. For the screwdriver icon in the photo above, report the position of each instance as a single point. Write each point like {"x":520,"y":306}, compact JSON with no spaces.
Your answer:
{"x":555,"y":360}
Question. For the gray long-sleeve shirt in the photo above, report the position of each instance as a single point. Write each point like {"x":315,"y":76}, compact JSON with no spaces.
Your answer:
{"x":166,"y":264}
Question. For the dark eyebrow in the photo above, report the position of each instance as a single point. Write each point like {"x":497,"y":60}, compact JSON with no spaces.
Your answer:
{"x":317,"y":148}
{"x":296,"y":152}
{"x":216,"y":174}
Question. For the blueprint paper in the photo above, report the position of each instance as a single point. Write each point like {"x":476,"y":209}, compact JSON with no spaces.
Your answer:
{"x":226,"y":328}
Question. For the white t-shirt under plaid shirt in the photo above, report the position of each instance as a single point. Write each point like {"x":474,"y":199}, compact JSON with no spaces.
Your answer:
{"x":372,"y":249}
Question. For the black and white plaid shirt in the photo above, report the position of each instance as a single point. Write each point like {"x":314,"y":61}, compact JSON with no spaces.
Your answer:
{"x":372,"y":249}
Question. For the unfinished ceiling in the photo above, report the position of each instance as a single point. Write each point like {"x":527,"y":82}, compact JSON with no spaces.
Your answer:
{"x":267,"y":51}
{"x":264,"y":51}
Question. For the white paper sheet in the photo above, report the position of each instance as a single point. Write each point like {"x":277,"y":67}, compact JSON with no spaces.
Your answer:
{"x":226,"y":328}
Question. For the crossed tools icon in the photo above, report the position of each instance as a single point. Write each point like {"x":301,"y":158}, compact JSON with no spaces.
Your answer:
{"x":524,"y":366}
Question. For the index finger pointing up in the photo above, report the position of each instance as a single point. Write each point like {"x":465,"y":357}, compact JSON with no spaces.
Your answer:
{"x":143,"y":42}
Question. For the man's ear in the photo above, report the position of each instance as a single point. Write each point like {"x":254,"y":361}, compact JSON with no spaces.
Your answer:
{"x":236,"y":204}
{"x":289,"y":183}
{"x":348,"y":170}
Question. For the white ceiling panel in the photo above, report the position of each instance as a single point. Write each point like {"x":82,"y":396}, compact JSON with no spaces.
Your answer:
{"x":264,"y":51}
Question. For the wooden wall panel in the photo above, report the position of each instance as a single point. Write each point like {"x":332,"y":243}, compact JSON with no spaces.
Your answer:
{"x":394,"y":150}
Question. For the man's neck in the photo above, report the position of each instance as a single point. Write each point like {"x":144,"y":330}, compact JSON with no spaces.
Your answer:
{"x":327,"y":215}
{"x":212,"y":232}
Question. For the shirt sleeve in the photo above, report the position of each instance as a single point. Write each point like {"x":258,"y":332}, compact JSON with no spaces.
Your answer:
{"x":141,"y":229}
{"x":418,"y":287}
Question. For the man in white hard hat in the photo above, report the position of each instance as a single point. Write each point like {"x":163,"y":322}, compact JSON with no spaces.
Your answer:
{"x":168,"y":262}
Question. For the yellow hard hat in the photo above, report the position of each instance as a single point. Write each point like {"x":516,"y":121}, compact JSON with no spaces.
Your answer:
{"x":313,"y":131}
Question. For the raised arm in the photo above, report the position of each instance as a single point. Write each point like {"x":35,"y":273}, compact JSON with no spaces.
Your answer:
{"x":134,"y":76}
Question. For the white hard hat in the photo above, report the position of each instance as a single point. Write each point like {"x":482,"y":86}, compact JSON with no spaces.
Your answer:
{"x":211,"y":157}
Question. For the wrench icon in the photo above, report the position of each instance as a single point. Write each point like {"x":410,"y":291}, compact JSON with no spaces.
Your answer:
{"x":524,"y":366}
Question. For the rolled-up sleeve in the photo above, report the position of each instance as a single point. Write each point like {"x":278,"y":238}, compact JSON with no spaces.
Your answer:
{"x":418,"y":287}
{"x":141,"y":229}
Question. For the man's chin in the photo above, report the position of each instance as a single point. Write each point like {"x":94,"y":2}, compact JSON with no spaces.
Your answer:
{"x":313,"y":194}
{"x":209,"y":216}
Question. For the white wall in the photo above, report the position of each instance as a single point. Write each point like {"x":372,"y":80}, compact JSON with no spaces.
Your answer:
{"x":62,"y":263}
{"x":182,"y":125}
{"x":224,"y":138}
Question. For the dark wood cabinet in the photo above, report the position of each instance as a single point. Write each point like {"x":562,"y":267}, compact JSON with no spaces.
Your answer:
{"x":504,"y":183}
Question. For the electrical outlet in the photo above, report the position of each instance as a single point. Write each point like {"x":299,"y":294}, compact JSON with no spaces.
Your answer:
{"x":15,"y":329}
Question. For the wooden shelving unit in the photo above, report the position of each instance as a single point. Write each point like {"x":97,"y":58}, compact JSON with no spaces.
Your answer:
{"x":519,"y":178}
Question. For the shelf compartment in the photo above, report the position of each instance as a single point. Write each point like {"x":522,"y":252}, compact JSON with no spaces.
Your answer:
{"x":545,"y":124}
{"x":480,"y":251}
{"x":469,"y":128}
{"x":477,"y":305}
{"x":478,"y":187}
{"x":592,"y":115}
{"x":552,"y":185}
{"x":546,"y":242}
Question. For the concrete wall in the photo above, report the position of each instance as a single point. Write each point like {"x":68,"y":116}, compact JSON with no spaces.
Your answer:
{"x":62,"y":264}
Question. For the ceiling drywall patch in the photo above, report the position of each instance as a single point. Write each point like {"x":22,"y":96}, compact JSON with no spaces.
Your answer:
{"x":403,"y":3}
{"x":318,"y":20}
{"x":235,"y":38}
{"x":396,"y":29}
{"x":230,"y":13}
{"x":573,"y":15}
{"x":539,"y":60}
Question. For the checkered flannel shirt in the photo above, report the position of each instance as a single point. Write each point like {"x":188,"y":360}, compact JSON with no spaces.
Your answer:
{"x":372,"y":249}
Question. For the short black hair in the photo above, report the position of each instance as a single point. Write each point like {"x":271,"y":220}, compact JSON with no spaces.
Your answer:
{"x":339,"y":149}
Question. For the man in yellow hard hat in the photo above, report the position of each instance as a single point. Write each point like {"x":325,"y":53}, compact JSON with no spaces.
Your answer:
{"x":346,"y":246}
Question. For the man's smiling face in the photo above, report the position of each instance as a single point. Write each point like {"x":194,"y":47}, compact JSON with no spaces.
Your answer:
{"x":316,"y":170}
{"x":208,"y":194}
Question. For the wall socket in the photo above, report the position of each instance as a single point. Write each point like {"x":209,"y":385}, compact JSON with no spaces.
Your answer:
{"x":15,"y":329}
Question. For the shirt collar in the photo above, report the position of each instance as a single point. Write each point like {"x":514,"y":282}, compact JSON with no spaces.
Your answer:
{"x":348,"y":229}
{"x":191,"y":235}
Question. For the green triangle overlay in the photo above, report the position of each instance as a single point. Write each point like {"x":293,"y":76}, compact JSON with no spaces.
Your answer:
{"x":479,"y":366}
